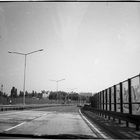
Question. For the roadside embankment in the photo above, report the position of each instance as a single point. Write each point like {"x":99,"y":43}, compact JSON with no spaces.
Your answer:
{"x":111,"y":127}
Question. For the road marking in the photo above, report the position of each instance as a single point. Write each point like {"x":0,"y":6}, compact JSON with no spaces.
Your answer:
{"x":24,"y":122}
{"x":14,"y":113}
{"x":96,"y":129}
{"x":15,"y":126}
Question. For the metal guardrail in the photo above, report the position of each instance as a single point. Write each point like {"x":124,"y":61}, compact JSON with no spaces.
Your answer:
{"x":117,"y":115}
{"x":120,"y":101}
{"x":22,"y":107}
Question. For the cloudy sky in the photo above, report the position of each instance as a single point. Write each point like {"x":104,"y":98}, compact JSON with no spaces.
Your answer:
{"x":91,"y":45}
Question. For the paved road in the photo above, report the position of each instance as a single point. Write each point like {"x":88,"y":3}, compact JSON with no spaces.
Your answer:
{"x":45,"y":121}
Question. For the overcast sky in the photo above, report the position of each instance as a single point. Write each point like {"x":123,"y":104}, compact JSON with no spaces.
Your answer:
{"x":91,"y":45}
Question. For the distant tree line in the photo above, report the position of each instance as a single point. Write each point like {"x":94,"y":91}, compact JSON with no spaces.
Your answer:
{"x":3,"y":94}
{"x":67,"y":96}
{"x":14,"y":94}
{"x":53,"y":95}
{"x":58,"y":95}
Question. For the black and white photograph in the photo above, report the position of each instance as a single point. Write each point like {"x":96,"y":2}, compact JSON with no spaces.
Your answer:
{"x":69,"y":69}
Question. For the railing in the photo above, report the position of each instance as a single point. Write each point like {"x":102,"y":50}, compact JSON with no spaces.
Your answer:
{"x":120,"y":101}
{"x":33,"y":106}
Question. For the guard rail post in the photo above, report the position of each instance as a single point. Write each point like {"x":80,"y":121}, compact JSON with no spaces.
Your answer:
{"x":103,"y":100}
{"x":106,"y":100}
{"x":121,"y":101}
{"x":110,"y":99}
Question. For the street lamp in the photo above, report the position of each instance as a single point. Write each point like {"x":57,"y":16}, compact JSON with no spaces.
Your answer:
{"x":57,"y":81}
{"x":25,"y":54}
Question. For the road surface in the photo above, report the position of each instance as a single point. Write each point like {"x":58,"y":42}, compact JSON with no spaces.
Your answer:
{"x":46,"y":121}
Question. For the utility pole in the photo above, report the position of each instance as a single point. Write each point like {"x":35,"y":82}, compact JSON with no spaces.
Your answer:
{"x":57,"y":81}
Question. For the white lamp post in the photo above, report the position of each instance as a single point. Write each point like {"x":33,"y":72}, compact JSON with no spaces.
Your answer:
{"x":25,"y":54}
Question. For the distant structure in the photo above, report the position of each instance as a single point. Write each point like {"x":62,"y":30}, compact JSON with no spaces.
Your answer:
{"x":87,"y":94}
{"x":46,"y":94}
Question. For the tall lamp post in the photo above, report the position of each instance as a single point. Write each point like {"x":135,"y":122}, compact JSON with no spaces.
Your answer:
{"x":57,"y":81}
{"x":25,"y":55}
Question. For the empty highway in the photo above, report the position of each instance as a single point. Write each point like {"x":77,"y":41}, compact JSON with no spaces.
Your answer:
{"x":47,"y":121}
